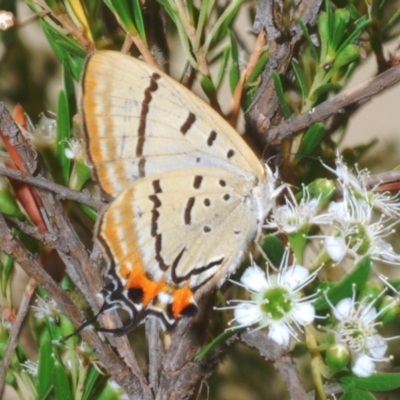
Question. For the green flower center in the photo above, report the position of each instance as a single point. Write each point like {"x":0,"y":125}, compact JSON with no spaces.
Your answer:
{"x":276,"y":303}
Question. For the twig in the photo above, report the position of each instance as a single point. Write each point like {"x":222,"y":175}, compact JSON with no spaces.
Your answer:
{"x":384,"y":177}
{"x":335,"y":105}
{"x":156,"y":351}
{"x":62,"y":191}
{"x":282,"y":360}
{"x":16,"y":329}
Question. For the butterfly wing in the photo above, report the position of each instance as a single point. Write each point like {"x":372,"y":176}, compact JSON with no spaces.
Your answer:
{"x":178,"y":233}
{"x":140,"y":122}
{"x":189,"y":192}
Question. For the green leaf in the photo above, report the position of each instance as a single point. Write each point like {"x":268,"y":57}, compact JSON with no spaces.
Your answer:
{"x":234,"y":71}
{"x":65,"y":48}
{"x":129,"y":13}
{"x":324,"y":36}
{"x":205,"y":9}
{"x":219,"y":30}
{"x":376,"y":382}
{"x":92,"y":214}
{"x":91,"y":380}
{"x":342,"y":18}
{"x":347,"y":55}
{"x":63,"y":135}
{"x":69,"y":88}
{"x":301,"y":80}
{"x":357,"y":277}
{"x":273,"y":248}
{"x":138,"y":18}
{"x":62,"y":389}
{"x":222,"y":67}
{"x":281,"y":95}
{"x":310,"y":141}
{"x":208,"y":87}
{"x":361,"y":24}
{"x":8,"y":203}
{"x":45,"y":368}
{"x":323,"y":89}
{"x":311,"y":45}
{"x":258,"y":69}
{"x":181,"y":31}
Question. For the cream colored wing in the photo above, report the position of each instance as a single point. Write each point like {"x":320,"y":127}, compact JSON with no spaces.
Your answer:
{"x":178,"y":233}
{"x":140,"y":122}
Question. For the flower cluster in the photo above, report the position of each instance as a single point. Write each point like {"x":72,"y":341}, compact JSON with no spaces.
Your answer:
{"x":338,"y":220}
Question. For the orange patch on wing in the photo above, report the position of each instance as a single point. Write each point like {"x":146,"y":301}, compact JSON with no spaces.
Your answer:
{"x":183,"y":297}
{"x":139,"y":279}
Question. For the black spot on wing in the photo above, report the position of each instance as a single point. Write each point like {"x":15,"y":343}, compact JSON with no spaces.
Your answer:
{"x":188,"y":210}
{"x":230,"y":153}
{"x":189,"y":311}
{"x":157,"y":186}
{"x":141,"y":167}
{"x":135,"y":294}
{"x":190,"y":120}
{"x":197,"y":181}
{"x":211,"y":138}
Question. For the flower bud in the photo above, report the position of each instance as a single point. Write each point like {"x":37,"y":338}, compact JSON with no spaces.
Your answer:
{"x":389,"y":309}
{"x":349,"y":54}
{"x":337,"y":357}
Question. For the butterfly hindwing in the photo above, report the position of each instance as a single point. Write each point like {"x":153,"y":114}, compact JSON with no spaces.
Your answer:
{"x":186,"y":228}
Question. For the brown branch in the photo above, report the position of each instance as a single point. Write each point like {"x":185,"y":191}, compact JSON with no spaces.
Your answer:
{"x":282,"y":360}
{"x":62,"y":191}
{"x":383,"y":178}
{"x":180,"y":372}
{"x":335,"y":105}
{"x":264,"y":111}
{"x":156,"y":351}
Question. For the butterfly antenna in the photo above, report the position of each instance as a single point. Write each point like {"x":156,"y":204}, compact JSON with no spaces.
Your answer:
{"x":88,"y":322}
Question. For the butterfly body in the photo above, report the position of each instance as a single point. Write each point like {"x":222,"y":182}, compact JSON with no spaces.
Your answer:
{"x":189,"y":193}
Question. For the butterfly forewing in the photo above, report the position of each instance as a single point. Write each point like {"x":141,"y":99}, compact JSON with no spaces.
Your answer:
{"x":140,"y":122}
{"x":189,"y":193}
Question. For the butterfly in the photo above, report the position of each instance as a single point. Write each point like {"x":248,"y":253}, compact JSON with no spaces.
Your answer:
{"x":189,"y":195}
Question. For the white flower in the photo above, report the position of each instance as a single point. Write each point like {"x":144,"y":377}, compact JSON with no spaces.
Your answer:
{"x":30,"y":367}
{"x":6,"y":20}
{"x":45,"y":308}
{"x":74,"y":149}
{"x":357,"y":184}
{"x":292,"y":216}
{"x":356,"y":328}
{"x":353,"y":232}
{"x":276,"y":301}
{"x":44,"y":133}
